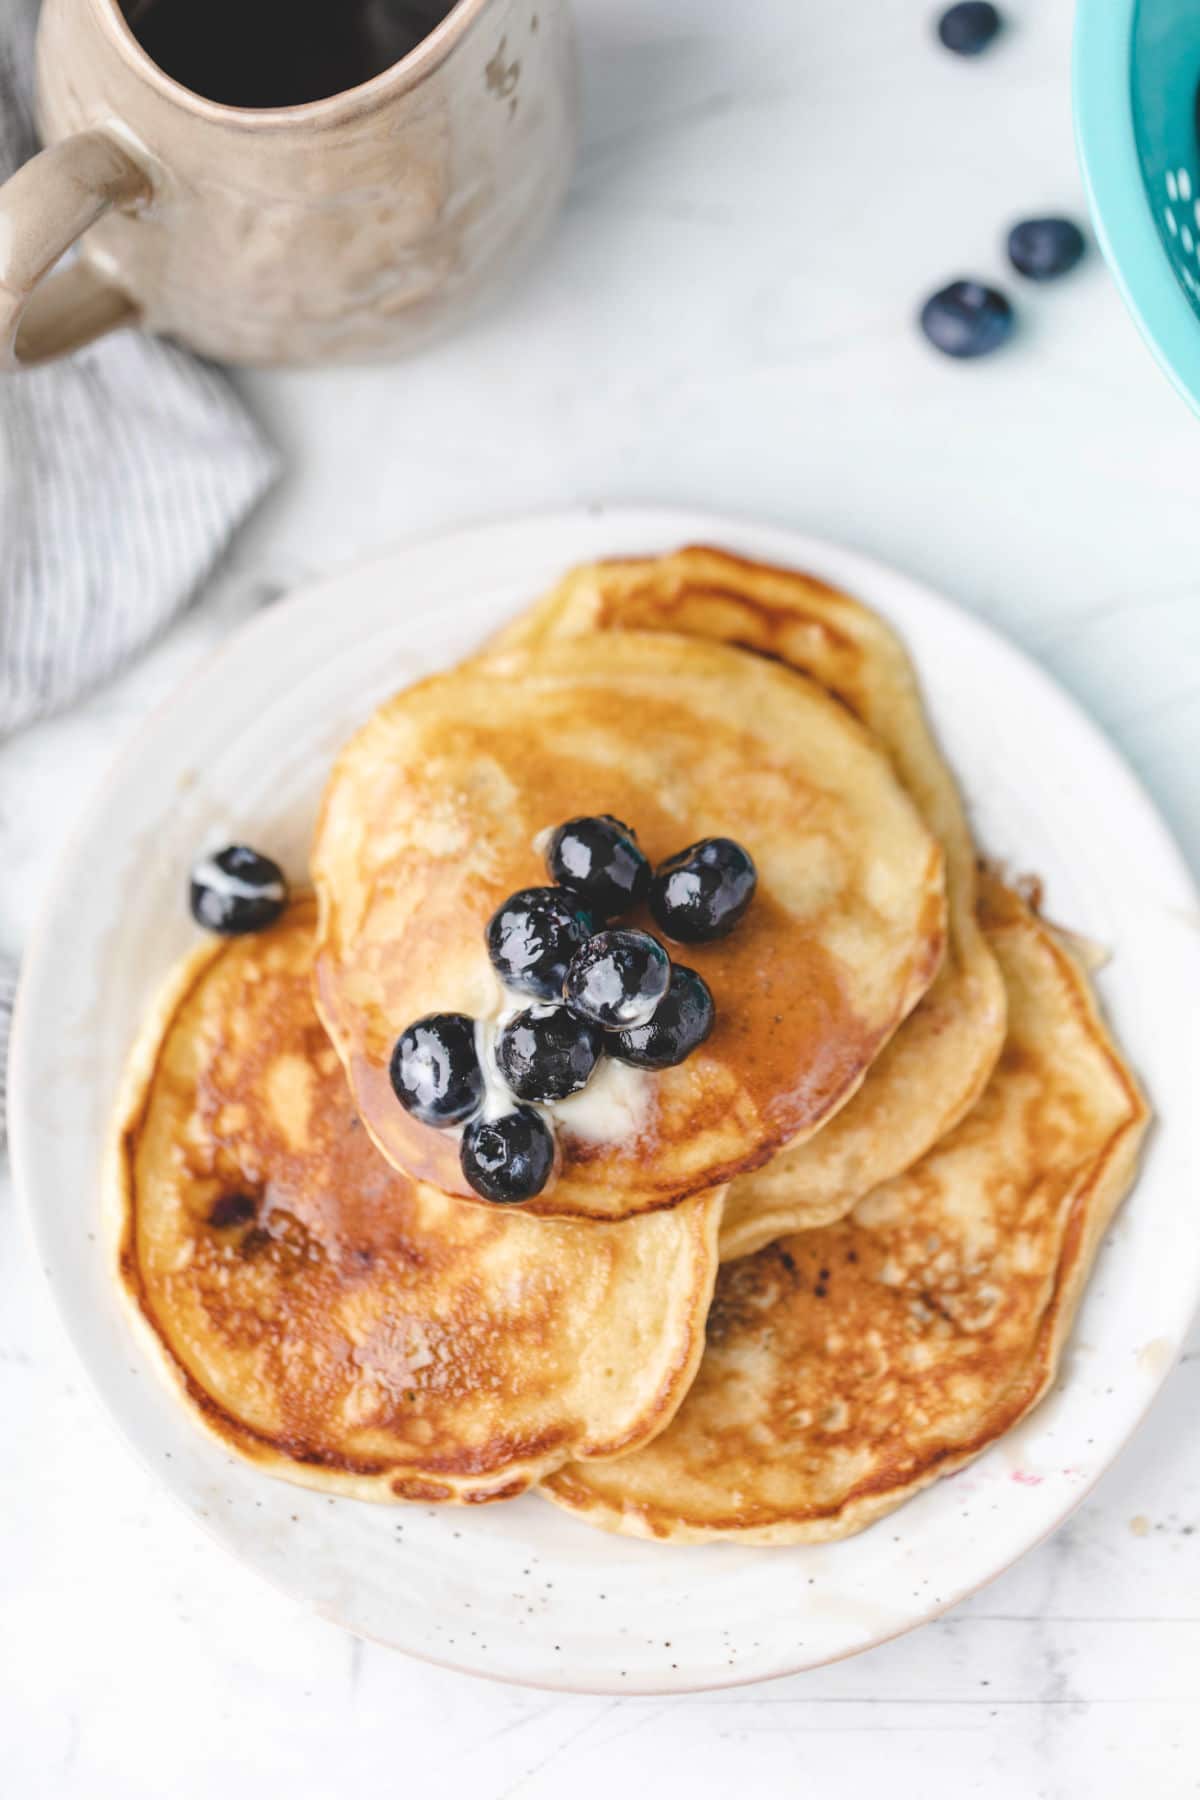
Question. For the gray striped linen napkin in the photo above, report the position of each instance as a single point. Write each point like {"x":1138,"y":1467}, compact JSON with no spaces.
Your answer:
{"x":123,"y":473}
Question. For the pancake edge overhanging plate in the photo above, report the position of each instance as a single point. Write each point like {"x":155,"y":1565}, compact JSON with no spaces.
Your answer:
{"x":89,"y":970}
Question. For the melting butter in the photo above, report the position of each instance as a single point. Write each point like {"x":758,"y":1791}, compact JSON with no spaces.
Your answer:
{"x":611,"y":1108}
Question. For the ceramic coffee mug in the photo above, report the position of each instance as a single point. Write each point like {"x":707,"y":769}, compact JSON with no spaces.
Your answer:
{"x":350,"y":227}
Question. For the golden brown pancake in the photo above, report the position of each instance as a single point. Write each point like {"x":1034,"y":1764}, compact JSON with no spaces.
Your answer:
{"x":935,"y":1067}
{"x":338,"y":1324}
{"x":429,"y":823}
{"x":848,"y":1367}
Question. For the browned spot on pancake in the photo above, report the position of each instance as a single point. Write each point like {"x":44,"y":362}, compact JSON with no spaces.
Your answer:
{"x":256,"y":1241}
{"x":232,"y":1209}
{"x":408,"y":1489}
{"x":509,"y":1491}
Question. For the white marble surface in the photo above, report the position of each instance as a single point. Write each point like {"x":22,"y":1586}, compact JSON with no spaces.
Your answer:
{"x":764,"y":194}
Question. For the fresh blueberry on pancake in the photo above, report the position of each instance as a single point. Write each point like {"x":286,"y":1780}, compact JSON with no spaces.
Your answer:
{"x":702,"y":893}
{"x":532,"y":938}
{"x":547,"y":1052}
{"x":599,"y":859}
{"x":508,"y":1159}
{"x":681,"y":1022}
{"x":618,"y":978}
{"x":435,"y":1069}
{"x":237,"y":890}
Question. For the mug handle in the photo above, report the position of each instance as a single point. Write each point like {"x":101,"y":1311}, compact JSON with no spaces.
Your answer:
{"x":44,"y":208}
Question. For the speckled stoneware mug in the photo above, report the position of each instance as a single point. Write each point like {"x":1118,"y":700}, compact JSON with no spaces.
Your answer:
{"x":355,"y":226}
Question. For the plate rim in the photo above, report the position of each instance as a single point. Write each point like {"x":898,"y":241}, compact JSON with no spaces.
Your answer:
{"x":675,"y":525}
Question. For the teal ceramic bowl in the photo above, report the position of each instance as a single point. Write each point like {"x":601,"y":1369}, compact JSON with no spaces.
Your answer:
{"x":1136,"y":70}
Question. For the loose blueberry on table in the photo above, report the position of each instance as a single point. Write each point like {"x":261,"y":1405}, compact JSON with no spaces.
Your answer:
{"x":1044,"y":249}
{"x":603,"y":992}
{"x":969,"y":27}
{"x":967,"y":319}
{"x":237,"y":890}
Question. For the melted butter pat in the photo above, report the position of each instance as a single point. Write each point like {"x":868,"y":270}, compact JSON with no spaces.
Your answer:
{"x":612,"y":1107}
{"x":498,"y":1097}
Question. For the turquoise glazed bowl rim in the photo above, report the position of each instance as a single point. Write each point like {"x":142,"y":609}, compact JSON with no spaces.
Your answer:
{"x":1116,"y":191}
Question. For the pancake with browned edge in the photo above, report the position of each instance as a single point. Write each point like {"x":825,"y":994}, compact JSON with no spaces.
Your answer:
{"x":935,"y":1067}
{"x":848,"y":1367}
{"x":343,"y":1327}
{"x":429,"y":823}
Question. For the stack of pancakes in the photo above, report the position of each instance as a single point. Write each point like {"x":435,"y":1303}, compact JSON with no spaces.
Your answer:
{"x":831,"y":1256}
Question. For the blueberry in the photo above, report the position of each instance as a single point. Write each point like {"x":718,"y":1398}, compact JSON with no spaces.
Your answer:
{"x":547,"y":1052}
{"x":532,"y":938}
{"x":1045,"y":248}
{"x":435,"y":1069}
{"x":599,"y":860}
{"x":508,"y":1159}
{"x":969,"y":27}
{"x":681,"y":1022}
{"x":618,"y":978}
{"x":967,"y":319}
{"x":703,"y":892}
{"x":237,"y":890}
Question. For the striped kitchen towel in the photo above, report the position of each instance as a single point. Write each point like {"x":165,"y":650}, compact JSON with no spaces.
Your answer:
{"x":123,"y":473}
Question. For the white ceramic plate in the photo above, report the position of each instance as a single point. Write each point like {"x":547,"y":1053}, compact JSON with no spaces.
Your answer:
{"x":521,"y":1592}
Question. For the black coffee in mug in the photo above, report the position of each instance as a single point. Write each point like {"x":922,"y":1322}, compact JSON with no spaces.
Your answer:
{"x":264,"y":53}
